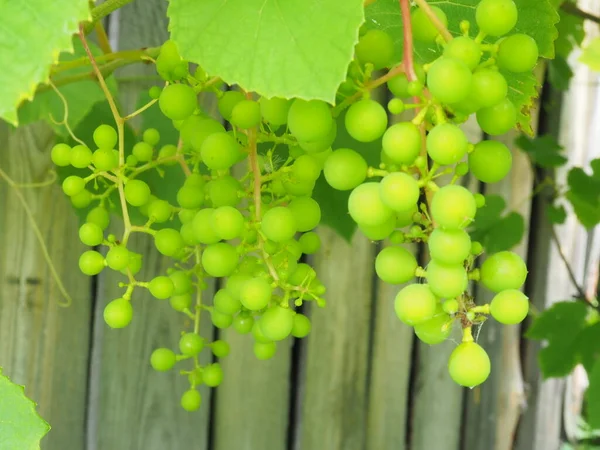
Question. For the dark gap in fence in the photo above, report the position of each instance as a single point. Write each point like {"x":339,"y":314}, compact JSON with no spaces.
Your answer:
{"x":212,"y":416}
{"x":94,"y":288}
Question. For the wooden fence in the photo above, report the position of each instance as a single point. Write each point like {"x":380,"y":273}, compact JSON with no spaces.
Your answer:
{"x":360,"y":381}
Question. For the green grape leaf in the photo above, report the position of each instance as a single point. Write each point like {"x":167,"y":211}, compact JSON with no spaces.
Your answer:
{"x":570,"y":35}
{"x":559,"y":73}
{"x":493,"y":230}
{"x":490,"y":212}
{"x":556,"y":214}
{"x":593,"y":397}
{"x":295,"y":48}
{"x":544,"y":151}
{"x":21,"y":427}
{"x":30,"y":42}
{"x":591,"y":55}
{"x":588,"y":346}
{"x":584,"y":194}
{"x":523,"y":89}
{"x":80,"y":96}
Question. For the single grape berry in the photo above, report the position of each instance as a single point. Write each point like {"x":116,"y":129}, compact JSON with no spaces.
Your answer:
{"x":375,"y":47}
{"x":488,"y":88}
{"x":227,"y":222}
{"x":449,"y":80}
{"x":99,"y":216}
{"x":490,"y":161}
{"x":469,"y":365}
{"x":274,"y":110}
{"x":226,"y":303}
{"x":264,"y":350}
{"x":278,"y":224}
{"x":510,"y":307}
{"x":61,"y":155}
{"x":435,"y":330}
{"x":366,"y":207}
{"x":310,"y":243}
{"x":402,"y":143}
{"x":181,"y":282}
{"x":309,"y":120}
{"x":255,"y":293}
{"x":177,"y":101}
{"x":366,"y":120}
{"x":117,"y":258}
{"x":276,"y":323}
{"x":449,"y":247}
{"x":118,"y":313}
{"x":105,"y":136}
{"x":180,"y":302}
{"x":503,"y":270}
{"x":220,"y":348}
{"x":191,"y":400}
{"x":220,"y":320}
{"x":212,"y":375}
{"x":219,"y":151}
{"x":105,"y":159}
{"x":415,"y":304}
{"x":243,"y":323}
{"x":453,"y":207}
{"x":220,"y":260}
{"x":306,"y":212}
{"x":246,"y":114}
{"x":80,"y":156}
{"x":91,"y":234}
{"x":399,"y":191}
{"x":446,"y":144}
{"x":464,"y":49}
{"x":143,"y":151}
{"x":423,"y":28}
{"x":162,"y":359}
{"x":168,"y":242}
{"x":395,"y":265}
{"x":191,"y":344}
{"x":151,"y":136}
{"x":161,"y":287}
{"x":137,"y":192}
{"x":345,"y":169}
{"x":518,"y":53}
{"x":301,"y":327}
{"x":496,"y":17}
{"x":91,"y":263}
{"x":447,"y":281}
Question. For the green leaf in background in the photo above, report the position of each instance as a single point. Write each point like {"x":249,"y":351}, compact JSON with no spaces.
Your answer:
{"x":591,"y":55}
{"x":584,"y":194}
{"x":80,"y":96}
{"x":21,"y":427}
{"x":544,"y":151}
{"x":556,"y":214}
{"x":294,"y":48}
{"x":593,"y":397}
{"x":30,"y":42}
{"x":493,"y":230}
{"x":570,"y":35}
{"x":588,"y":346}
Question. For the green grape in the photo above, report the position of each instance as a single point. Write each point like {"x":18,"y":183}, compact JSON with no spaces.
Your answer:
{"x":167,"y":60}
{"x":503,"y":270}
{"x":402,"y":143}
{"x":397,"y":237}
{"x":228,"y":101}
{"x":151,"y":136}
{"x":301,"y":275}
{"x":246,"y":114}
{"x":264,"y":350}
{"x":395,"y":265}
{"x":224,"y":191}
{"x":278,"y":224}
{"x":406,"y":217}
{"x":105,"y":159}
{"x":396,"y":106}
{"x":159,"y":211}
{"x":310,"y":243}
{"x":306,"y":168}
{"x":447,"y":281}
{"x":488,"y":87}
{"x":191,"y":400}
{"x":177,"y":101}
{"x":298,"y":188}
{"x":450,"y":306}
{"x":321,"y":144}
{"x":276,"y":323}
{"x":137,"y":192}
{"x":143,"y":151}
{"x":105,"y":137}
{"x":118,"y":313}
{"x":180,"y":302}
{"x":191,"y":344}
{"x":476,"y":248}
{"x":185,"y":215}
{"x":498,"y":119}
{"x":162,"y":359}
{"x":510,"y":307}
{"x":168,"y":241}
{"x":154,"y":92}
{"x":80,"y":156}
{"x":243,"y":323}
{"x":219,"y":151}
{"x":134,"y":265}
{"x":366,"y":207}
{"x":345,"y":169}
{"x":220,"y":260}
{"x":479,"y":200}
{"x":309,"y":120}
{"x":301,"y":326}
{"x":464,"y":49}
{"x":415,"y":304}
{"x":366,"y":120}
{"x":161,"y":287}
{"x":99,"y":216}
{"x":202,"y":224}
{"x":227,"y":222}
{"x":235,"y":281}
{"x":274,"y":110}
{"x":415,"y":88}
{"x":469,"y":365}
{"x":181,"y":282}
{"x":117,"y":258}
{"x":423,"y":28}
{"x":399,"y":191}
{"x":81,"y":199}
{"x":518,"y":53}
{"x":449,"y":247}
{"x":221,"y":320}
{"x":213,"y":375}
{"x":91,"y":234}
{"x":196,"y":129}
{"x":375,"y":47}
{"x":220,"y":348}
{"x":255,"y":294}
{"x":447,"y":144}
{"x":490,"y":161}
{"x":91,"y":263}
{"x":449,"y":80}
{"x":453,"y":207}
{"x":496,"y":17}
{"x":380,"y":231}
{"x":435,"y":330}
{"x":131,"y":161}
{"x":398,"y":85}
{"x":61,"y":155}
{"x":226,"y":303}
{"x":306,"y":212}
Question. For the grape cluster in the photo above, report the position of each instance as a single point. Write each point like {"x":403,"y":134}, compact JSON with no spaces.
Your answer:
{"x":252,"y":227}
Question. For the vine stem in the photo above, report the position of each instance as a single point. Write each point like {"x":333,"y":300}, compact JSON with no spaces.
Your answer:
{"x":435,"y":20}
{"x":39,"y":237}
{"x":572,"y":9}
{"x":103,"y":10}
{"x":563,"y":257}
{"x":408,"y":59}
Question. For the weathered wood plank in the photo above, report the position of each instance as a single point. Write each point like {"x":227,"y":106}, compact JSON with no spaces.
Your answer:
{"x":44,"y":346}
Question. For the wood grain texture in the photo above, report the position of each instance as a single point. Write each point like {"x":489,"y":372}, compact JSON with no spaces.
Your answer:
{"x":334,"y":409}
{"x":44,"y":346}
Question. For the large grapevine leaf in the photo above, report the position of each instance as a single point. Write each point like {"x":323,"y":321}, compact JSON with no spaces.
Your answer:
{"x":20,"y":425}
{"x":32,"y":35}
{"x":291,"y":48}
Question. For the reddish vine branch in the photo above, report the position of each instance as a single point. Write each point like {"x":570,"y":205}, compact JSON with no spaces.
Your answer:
{"x":408,"y":60}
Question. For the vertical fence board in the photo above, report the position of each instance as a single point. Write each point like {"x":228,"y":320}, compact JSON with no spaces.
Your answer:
{"x":45,"y":347}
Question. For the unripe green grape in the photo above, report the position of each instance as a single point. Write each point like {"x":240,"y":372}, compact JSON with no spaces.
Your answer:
{"x":117,"y":258}
{"x":449,"y":247}
{"x":98,"y":216}
{"x":105,"y":137}
{"x":246,"y":114}
{"x":118,"y":313}
{"x":476,"y":248}
{"x":91,"y":263}
{"x":510,"y":307}
{"x":395,"y":265}
{"x":162,"y":359}
{"x":461,"y":169}
{"x":191,"y":400}
{"x":228,"y":101}
{"x":498,"y":119}
{"x":235,"y":281}
{"x":202,"y":223}
{"x":227,"y":222}
{"x":449,"y":80}
{"x":302,"y":275}
{"x":345,"y":169}
{"x":161,"y":287}
{"x":255,"y":294}
{"x":168,"y":241}
{"x":447,"y":144}
{"x":380,"y":231}
{"x":264,"y":350}
{"x":137,"y":192}
{"x":224,"y":302}
{"x":375,"y":47}
{"x":154,"y":92}
{"x":399,"y":191}
{"x":450,"y":306}
{"x":181,"y":282}
{"x":488,"y":87}
{"x":298,"y":188}
{"x":159,"y":211}
{"x":177,"y":101}
{"x":276,"y":323}
{"x":469,"y":365}
{"x":464,"y":49}
{"x":306,"y":213}
{"x":131,"y":161}
{"x":219,"y":260}
{"x":503,"y":270}
{"x":243,"y":323}
{"x":180,"y":302}
{"x":479,"y":200}
{"x":423,"y":28}
{"x":221,"y":320}
{"x":447,"y":281}
{"x":306,"y":168}
{"x":496,"y":17}
{"x":190,"y":197}
{"x":407,"y":217}
{"x":167,"y":60}
{"x":366,"y":120}
{"x":518,"y":53}
{"x":301,"y":327}
{"x":435,"y":330}
{"x":275,"y":110}
{"x":151,"y":136}
{"x":134,"y":265}
{"x":224,"y":191}
{"x":366,"y":207}
{"x":278,"y":224}
{"x":398,"y":85}
{"x":310,"y":243}
{"x":143,"y":151}
{"x":397,"y":237}
{"x":191,"y":344}
{"x":309,"y":120}
{"x":453,"y":207}
{"x":490,"y":161}
{"x":402,"y":143}
{"x":196,"y":129}
{"x":61,"y":155}
{"x":219,"y":151}
{"x":220,"y":348}
{"x":80,"y":156}
{"x":396,"y":106}
{"x":415,"y":88}
{"x":415,"y":304}
{"x":321,"y":144}
{"x":105,"y":159}
{"x":213,"y":375}
{"x":82,"y":199}
{"x":91,"y":234}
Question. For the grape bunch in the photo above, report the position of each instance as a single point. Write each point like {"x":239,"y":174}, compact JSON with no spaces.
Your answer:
{"x":245,"y":212}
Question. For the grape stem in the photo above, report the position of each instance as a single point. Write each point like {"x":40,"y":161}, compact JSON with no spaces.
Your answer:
{"x":572,"y":9}
{"x":467,"y":335}
{"x":103,"y":10}
{"x":435,"y":20}
{"x":198,"y":290}
{"x":408,"y":59}
{"x":102,"y":37}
